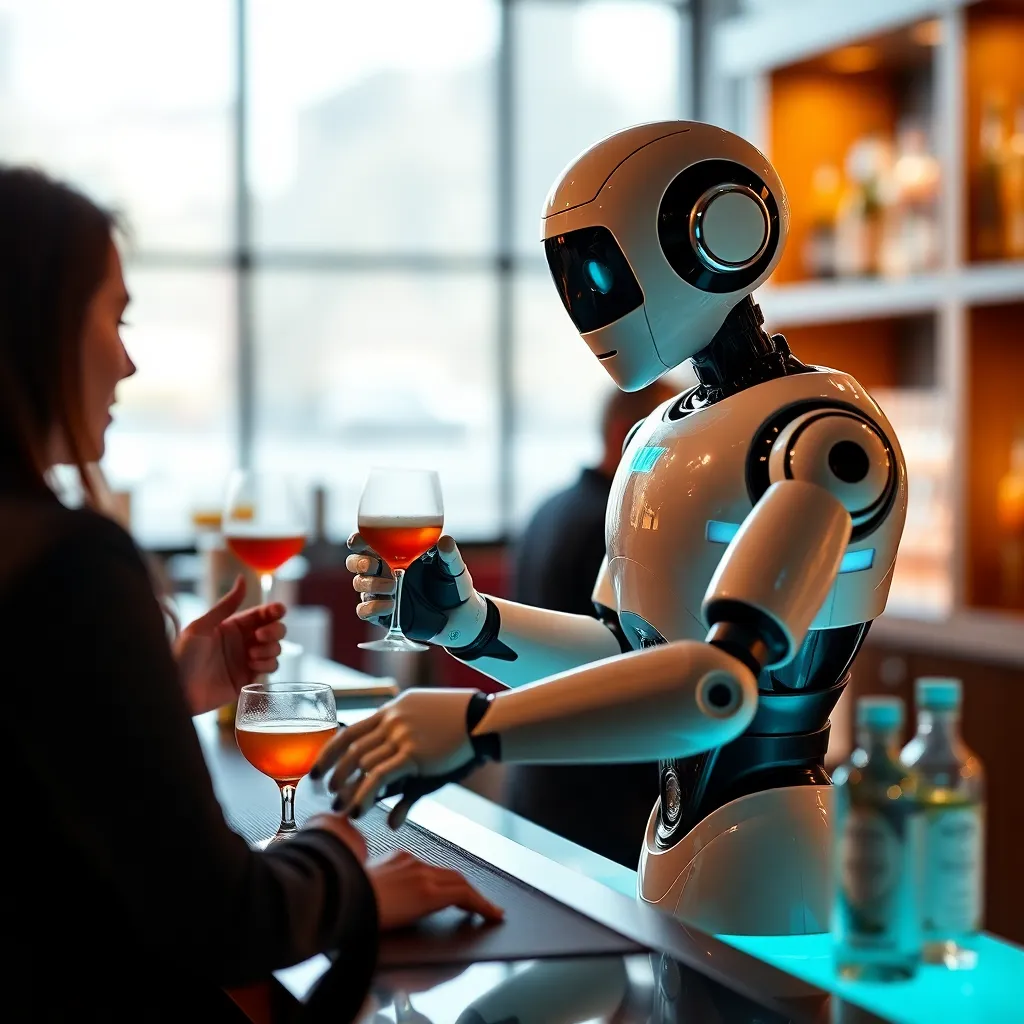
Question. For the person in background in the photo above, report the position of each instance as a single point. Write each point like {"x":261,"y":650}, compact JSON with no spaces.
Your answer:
{"x":602,"y":807}
{"x":132,"y":897}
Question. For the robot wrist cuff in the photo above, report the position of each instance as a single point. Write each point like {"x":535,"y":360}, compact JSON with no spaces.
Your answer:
{"x":486,"y":746}
{"x":487,"y":644}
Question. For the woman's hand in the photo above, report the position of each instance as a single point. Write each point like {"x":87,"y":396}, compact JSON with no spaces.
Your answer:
{"x":225,"y":649}
{"x":407,"y":889}
{"x":340,"y":826}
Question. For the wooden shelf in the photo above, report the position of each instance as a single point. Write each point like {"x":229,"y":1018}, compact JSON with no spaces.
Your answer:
{"x":832,"y":301}
{"x":995,"y":409}
{"x":993,"y":72}
{"x":987,"y":636}
{"x":800,"y":29}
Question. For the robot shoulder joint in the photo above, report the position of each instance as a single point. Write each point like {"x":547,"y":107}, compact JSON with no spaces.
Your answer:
{"x":845,"y":453}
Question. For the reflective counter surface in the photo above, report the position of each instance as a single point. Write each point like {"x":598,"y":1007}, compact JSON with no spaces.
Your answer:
{"x":683,"y":975}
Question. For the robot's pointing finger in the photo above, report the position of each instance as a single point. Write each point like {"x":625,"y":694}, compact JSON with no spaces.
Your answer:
{"x":334,"y":749}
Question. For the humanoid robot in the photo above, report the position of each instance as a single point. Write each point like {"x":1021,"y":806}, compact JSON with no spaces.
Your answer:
{"x":752,"y":529}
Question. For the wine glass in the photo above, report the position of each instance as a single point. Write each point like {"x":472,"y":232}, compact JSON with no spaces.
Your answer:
{"x":401,"y":515}
{"x":280,"y":729}
{"x":265,"y":522}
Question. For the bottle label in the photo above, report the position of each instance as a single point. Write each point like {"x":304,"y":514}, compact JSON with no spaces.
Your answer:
{"x":879,"y":893}
{"x":952,"y":870}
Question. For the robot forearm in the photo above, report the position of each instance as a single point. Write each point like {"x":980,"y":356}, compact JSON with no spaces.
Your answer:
{"x":521,"y":644}
{"x":681,"y":698}
{"x":669,"y":701}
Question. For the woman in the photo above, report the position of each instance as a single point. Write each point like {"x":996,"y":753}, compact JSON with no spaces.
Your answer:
{"x":129,"y":897}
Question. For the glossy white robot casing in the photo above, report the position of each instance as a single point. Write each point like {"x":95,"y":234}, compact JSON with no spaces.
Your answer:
{"x":682,"y":486}
{"x":619,"y":184}
{"x":758,"y":865}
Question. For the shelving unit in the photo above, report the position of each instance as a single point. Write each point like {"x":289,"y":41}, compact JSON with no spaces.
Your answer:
{"x":941,"y":349}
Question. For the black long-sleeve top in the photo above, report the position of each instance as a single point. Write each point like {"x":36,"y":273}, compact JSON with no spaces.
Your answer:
{"x":126,"y":894}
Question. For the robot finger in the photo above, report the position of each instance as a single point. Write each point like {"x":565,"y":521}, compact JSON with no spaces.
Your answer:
{"x":373,"y":585}
{"x":451,"y":559}
{"x":368,"y":790}
{"x":368,"y":565}
{"x":384,"y":752}
{"x":396,"y":819}
{"x":337,"y":746}
{"x":351,"y":758}
{"x":371,"y":608}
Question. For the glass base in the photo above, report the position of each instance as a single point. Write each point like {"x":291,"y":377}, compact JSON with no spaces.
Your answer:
{"x":386,"y":643}
{"x":278,"y":837}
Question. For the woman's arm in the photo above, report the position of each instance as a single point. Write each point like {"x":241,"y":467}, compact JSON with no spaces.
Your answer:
{"x":122,"y":781}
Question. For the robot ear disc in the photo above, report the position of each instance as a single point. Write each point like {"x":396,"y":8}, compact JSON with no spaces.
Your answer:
{"x":719,"y":248}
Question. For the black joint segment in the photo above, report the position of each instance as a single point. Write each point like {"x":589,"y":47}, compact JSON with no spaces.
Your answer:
{"x":476,"y":709}
{"x":735,"y":624}
{"x":487,"y":644}
{"x":609,"y":617}
{"x":632,"y":433}
{"x":487,"y":746}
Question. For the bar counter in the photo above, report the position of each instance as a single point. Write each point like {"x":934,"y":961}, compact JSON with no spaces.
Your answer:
{"x":576,"y":944}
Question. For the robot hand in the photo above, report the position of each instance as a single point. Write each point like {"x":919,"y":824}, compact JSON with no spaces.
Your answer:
{"x":411,"y":746}
{"x":439,"y":602}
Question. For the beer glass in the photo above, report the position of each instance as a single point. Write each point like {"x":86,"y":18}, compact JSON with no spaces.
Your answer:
{"x":280,"y":729}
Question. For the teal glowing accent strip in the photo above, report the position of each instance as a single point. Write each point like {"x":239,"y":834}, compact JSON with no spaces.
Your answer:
{"x":718,"y":532}
{"x":721,"y":533}
{"x":645,"y":458}
{"x":855,"y":561}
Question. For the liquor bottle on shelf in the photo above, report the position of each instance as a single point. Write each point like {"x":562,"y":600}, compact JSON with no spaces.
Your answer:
{"x":1013,"y":187}
{"x":988,"y":175}
{"x":951,"y":795}
{"x":876,"y":925}
{"x":861,"y":214}
{"x":820,"y":248}
{"x":911,"y":225}
{"x":1010,"y":516}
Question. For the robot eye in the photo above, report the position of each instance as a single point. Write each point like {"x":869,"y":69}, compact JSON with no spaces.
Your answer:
{"x":593,"y":276}
{"x":599,"y":276}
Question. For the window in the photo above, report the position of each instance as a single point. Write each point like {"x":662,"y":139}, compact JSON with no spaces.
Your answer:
{"x":334,"y":208}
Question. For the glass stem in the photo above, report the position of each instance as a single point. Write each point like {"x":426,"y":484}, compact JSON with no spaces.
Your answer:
{"x":287,"y":808}
{"x":266,"y":585}
{"x":395,"y":629}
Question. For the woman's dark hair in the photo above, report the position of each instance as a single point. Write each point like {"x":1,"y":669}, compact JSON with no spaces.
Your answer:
{"x":54,"y":252}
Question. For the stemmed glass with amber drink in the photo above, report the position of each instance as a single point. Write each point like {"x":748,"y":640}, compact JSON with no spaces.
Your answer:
{"x":280,"y":729}
{"x":401,"y":516}
{"x":265,"y":523}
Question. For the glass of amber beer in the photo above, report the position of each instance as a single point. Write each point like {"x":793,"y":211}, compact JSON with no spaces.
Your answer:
{"x":401,"y":515}
{"x":264,"y":523}
{"x":280,"y":729}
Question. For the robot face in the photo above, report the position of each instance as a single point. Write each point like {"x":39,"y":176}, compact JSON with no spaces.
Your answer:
{"x":654,"y":234}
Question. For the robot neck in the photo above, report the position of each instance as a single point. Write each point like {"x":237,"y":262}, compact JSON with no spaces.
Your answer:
{"x":740,"y":355}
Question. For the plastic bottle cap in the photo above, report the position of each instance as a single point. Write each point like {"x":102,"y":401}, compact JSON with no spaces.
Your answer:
{"x":938,"y":692}
{"x":880,"y":712}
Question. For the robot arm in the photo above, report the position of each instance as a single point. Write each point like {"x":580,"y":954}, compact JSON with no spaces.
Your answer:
{"x":682,"y":698}
{"x":510,"y":642}
{"x":669,"y":701}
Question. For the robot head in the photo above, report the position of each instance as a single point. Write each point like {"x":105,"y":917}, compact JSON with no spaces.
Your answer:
{"x":654,"y":234}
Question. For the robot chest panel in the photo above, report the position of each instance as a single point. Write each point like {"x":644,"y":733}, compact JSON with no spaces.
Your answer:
{"x":677,"y":496}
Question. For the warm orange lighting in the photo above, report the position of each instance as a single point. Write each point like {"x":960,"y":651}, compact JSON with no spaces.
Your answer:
{"x":927,"y":33}
{"x":851,"y":60}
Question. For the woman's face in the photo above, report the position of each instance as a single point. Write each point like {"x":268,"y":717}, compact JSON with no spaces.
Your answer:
{"x":104,"y":359}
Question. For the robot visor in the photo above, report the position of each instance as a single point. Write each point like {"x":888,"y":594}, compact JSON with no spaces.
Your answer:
{"x":593,"y":276}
